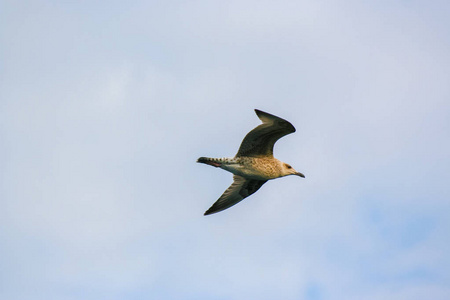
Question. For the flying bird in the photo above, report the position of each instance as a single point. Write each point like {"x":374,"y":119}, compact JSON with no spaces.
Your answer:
{"x":254,"y":163}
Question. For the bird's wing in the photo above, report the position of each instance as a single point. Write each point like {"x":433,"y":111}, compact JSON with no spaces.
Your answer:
{"x":260,"y":141}
{"x":241,"y":188}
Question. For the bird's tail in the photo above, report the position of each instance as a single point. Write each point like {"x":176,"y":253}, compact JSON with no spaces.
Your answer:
{"x":215,"y":162}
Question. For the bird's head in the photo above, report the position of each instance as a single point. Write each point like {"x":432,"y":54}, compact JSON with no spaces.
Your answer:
{"x":286,"y":170}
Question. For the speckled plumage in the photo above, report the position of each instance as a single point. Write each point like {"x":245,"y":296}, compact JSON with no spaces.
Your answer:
{"x":254,"y":163}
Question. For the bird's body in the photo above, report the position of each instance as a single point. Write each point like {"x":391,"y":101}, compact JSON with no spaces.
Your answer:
{"x":258,"y":168}
{"x":254,"y":163}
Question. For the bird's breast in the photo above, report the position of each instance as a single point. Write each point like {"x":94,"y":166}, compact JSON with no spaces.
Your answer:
{"x":255,"y":168}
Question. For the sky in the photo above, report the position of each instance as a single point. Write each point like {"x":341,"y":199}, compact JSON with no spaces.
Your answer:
{"x":106,"y":105}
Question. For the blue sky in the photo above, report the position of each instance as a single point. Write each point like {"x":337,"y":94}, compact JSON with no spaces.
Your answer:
{"x":105,"y":107}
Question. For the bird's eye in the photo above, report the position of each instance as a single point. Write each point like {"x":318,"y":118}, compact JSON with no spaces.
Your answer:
{"x":288,"y":166}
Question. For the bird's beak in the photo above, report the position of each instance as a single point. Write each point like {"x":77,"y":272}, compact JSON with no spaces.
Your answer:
{"x":300,"y":174}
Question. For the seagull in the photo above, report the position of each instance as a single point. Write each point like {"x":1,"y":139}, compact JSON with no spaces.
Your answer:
{"x":254,"y":163}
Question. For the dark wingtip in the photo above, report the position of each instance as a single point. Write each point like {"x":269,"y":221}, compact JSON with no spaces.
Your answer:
{"x":258,"y":112}
{"x":261,"y":114}
{"x":291,"y":127}
{"x":213,"y":209}
{"x":209,"y":212}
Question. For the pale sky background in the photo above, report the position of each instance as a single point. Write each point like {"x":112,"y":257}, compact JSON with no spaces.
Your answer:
{"x":106,"y":105}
